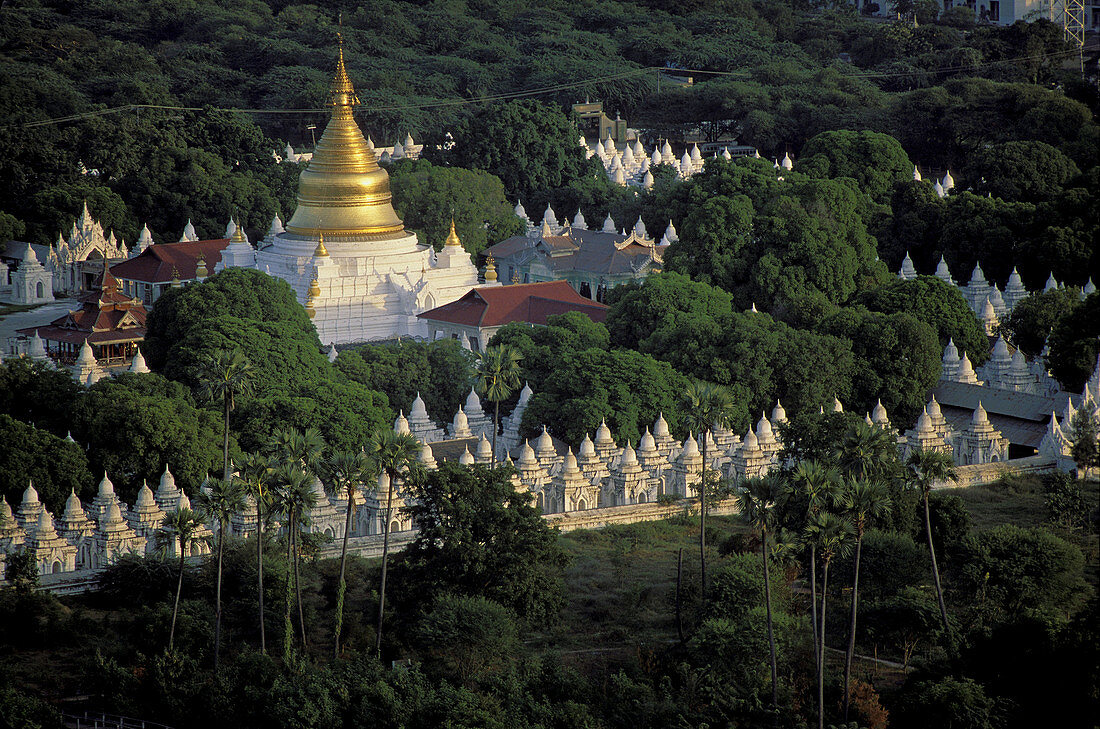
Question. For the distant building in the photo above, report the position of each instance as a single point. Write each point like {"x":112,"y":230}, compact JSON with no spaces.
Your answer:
{"x":23,"y":279}
{"x":478,"y":315}
{"x":592,"y":261}
{"x":164,"y":265}
{"x":77,"y":262}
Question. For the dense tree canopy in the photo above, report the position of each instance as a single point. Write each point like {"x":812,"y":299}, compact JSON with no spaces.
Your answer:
{"x":56,"y":466}
{"x":875,"y":161}
{"x":427,"y":197}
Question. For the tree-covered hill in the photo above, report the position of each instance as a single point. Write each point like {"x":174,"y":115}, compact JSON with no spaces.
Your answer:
{"x":768,"y":73}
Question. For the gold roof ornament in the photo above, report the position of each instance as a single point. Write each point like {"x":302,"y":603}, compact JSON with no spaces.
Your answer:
{"x":238,"y":233}
{"x":200,"y":267}
{"x":314,"y":288}
{"x":176,"y":278}
{"x":343,"y":192}
{"x":320,"y":251}
{"x":490,"y":268}
{"x":515,"y":276}
{"x":452,"y":237}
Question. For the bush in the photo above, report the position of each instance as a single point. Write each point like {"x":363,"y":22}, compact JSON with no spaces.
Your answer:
{"x":890,"y":562}
{"x":950,"y":522}
{"x":1066,"y":503}
{"x":466,"y":638}
{"x":736,"y":587}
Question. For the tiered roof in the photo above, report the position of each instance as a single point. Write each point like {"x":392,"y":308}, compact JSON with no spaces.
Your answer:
{"x":106,"y":316}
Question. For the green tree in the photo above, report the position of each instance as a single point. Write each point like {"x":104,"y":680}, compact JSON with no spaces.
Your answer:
{"x":478,"y":536}
{"x":497,"y":376}
{"x":222,"y":502}
{"x":227,"y":375}
{"x":32,"y":455}
{"x":184,"y":525}
{"x":1029,"y":171}
{"x":937,"y":303}
{"x":831,"y":535}
{"x":897,"y":356}
{"x":1015,"y":571}
{"x":875,"y":161}
{"x":36,"y":393}
{"x":756,"y":504}
{"x":903,"y":621}
{"x":954,"y":702}
{"x":349,"y":472}
{"x":466,"y":638}
{"x":706,"y":406}
{"x":865,"y":500}
{"x":1032,"y":320}
{"x":923,"y":470}
{"x":293,"y":497}
{"x":257,"y":476}
{"x":135,"y":424}
{"x":398,"y":457}
{"x":429,"y":197}
{"x":1075,"y":345}
{"x":819,"y":483}
{"x":530,"y":144}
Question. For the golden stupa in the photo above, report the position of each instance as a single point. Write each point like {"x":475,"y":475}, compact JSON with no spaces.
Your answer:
{"x":343,"y":193}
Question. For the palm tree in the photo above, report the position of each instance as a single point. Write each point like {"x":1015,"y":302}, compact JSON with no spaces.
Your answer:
{"x":756,"y":505}
{"x":830,"y":534}
{"x":226,"y":375}
{"x":184,"y":524}
{"x":396,"y":456}
{"x":293,"y":499}
{"x":864,"y":501}
{"x":219,"y":504}
{"x":819,"y":483}
{"x":257,"y":476}
{"x":497,"y":377}
{"x":347,"y":471}
{"x":867,"y":452}
{"x":708,"y":405}
{"x":925,"y":468}
{"x":301,"y":450}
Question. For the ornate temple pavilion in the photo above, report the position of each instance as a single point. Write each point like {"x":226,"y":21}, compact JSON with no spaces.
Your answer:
{"x":111,"y":322}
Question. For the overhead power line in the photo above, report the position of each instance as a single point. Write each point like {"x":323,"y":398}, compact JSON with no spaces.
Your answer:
{"x":511,"y":95}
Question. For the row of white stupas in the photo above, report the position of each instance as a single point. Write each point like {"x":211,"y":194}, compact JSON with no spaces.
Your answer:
{"x":408,"y":149}
{"x":88,"y":537}
{"x":986,"y":300}
{"x":549,"y":225}
{"x":630,"y":165}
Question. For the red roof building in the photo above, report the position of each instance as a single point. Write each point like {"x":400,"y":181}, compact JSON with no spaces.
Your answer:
{"x":482,"y":311}
{"x":150,"y":274}
{"x":110,"y":321}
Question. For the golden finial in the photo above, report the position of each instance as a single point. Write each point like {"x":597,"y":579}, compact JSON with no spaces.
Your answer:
{"x":176,"y":278}
{"x":200,"y":267}
{"x":515,"y":276}
{"x":490,"y":268}
{"x":238,"y":233}
{"x":320,"y":251}
{"x":314,"y":287}
{"x":343,"y":93}
{"x":452,"y":237}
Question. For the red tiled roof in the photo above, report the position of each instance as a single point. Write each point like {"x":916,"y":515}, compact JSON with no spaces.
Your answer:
{"x":158,"y":262}
{"x":491,"y":306}
{"x":105,"y":316}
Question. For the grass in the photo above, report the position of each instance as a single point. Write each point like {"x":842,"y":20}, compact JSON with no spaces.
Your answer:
{"x":621,"y":585}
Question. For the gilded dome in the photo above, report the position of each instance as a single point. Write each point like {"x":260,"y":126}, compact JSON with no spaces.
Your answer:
{"x":342,"y":192}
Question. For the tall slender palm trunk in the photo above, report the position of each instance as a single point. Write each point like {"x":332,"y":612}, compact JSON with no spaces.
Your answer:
{"x":385,"y":557}
{"x":342,"y":585}
{"x":813,"y":601}
{"x":298,"y":588}
{"x":176,"y":607}
{"x":225,"y":442}
{"x":496,"y":427}
{"x":703,"y":520}
{"x":260,"y":572}
{"x":218,"y":596}
{"x":852,"y":625}
{"x":771,"y":632}
{"x":821,"y":664}
{"x":936,"y":579}
{"x":288,"y":626}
